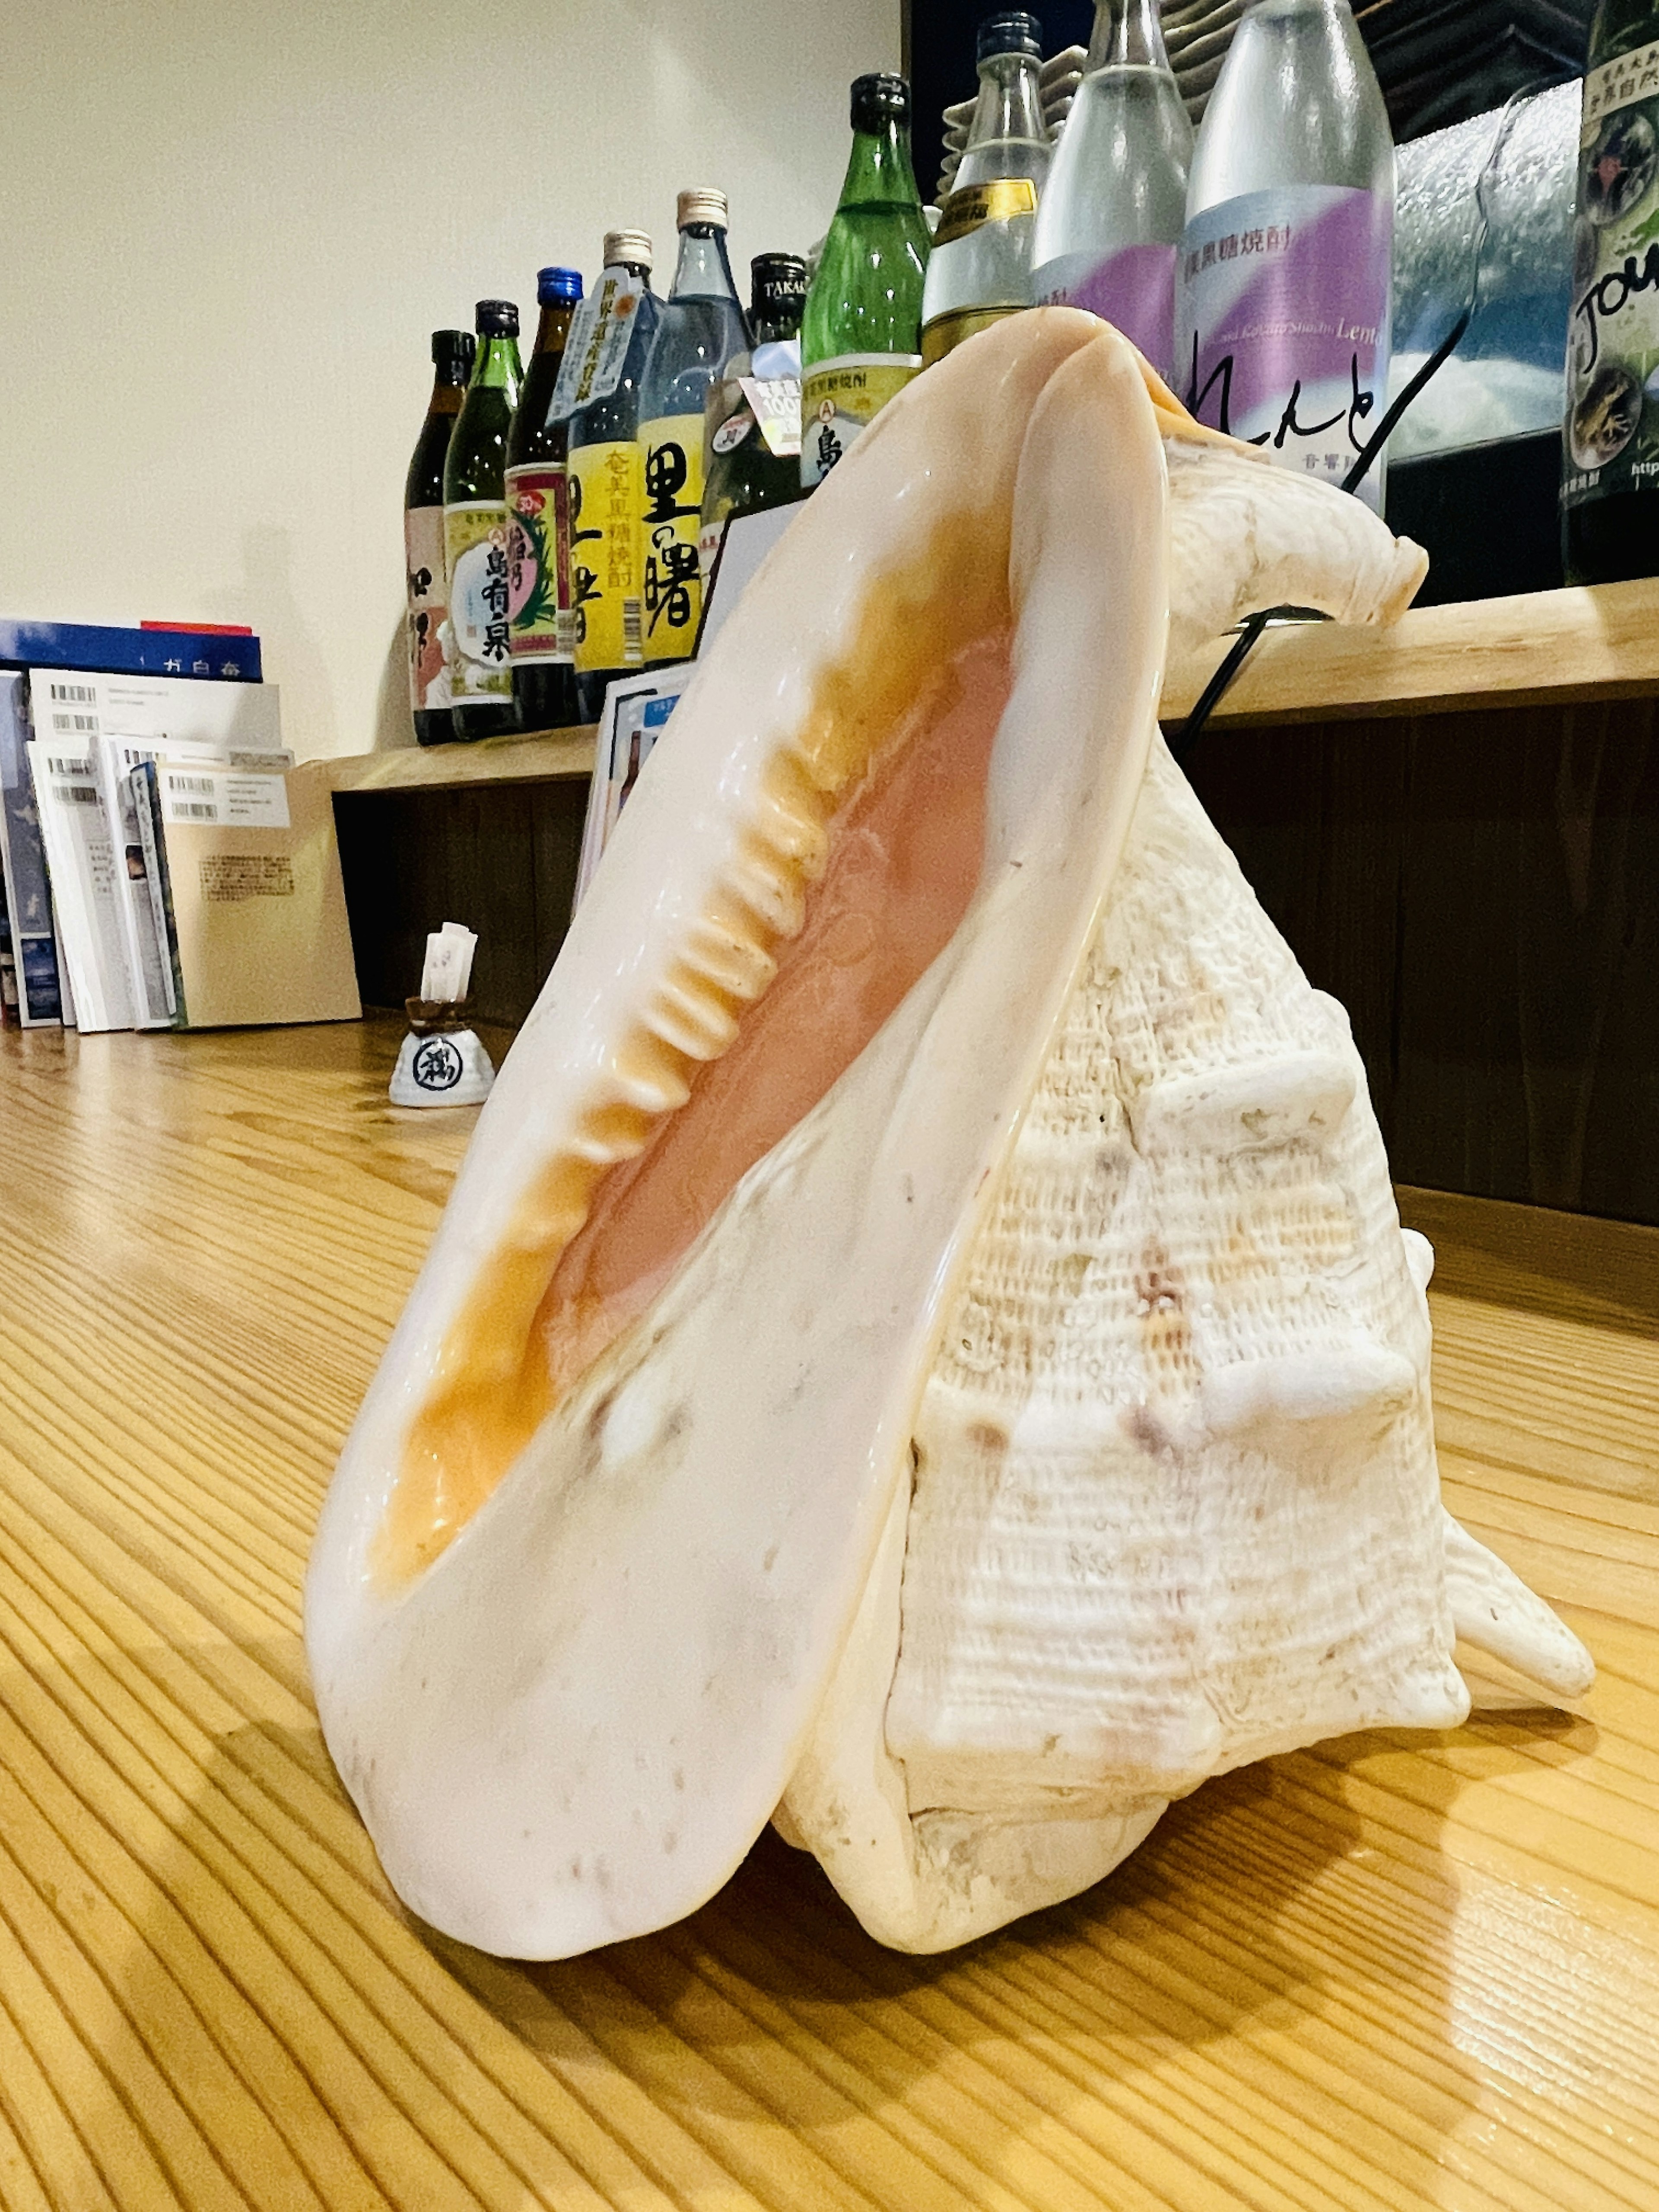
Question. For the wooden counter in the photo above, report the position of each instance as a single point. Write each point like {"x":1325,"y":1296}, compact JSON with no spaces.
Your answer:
{"x":1396,"y":1972}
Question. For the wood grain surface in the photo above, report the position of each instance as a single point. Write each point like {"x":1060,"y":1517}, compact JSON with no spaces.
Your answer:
{"x":1395,"y":1972}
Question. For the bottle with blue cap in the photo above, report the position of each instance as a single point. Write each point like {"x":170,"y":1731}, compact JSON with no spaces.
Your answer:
{"x":538,"y":578}
{"x":980,"y":269}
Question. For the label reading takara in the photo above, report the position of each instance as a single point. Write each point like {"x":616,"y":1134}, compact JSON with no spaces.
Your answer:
{"x":1134,"y":289}
{"x":607,"y":496}
{"x":480,"y":627}
{"x":429,"y":604}
{"x":839,"y":398}
{"x":1283,"y":323}
{"x":1612,"y":342}
{"x":533,"y":498}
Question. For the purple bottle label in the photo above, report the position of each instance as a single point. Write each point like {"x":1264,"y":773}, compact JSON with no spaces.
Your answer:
{"x":1134,"y":288}
{"x":1282,"y":329}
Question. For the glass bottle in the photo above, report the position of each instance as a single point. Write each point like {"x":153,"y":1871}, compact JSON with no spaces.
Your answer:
{"x":980,"y":269}
{"x":1283,"y":289}
{"x":1109,"y":224}
{"x":543,"y":679}
{"x":700,"y":328}
{"x":752,"y":417}
{"x":424,"y":539}
{"x":481,"y":704}
{"x":861,"y":332}
{"x":605,"y":473}
{"x":1610,"y":451}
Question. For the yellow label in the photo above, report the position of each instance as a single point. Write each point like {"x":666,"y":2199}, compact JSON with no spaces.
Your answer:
{"x":1000,"y":201}
{"x":606,"y":553}
{"x":841,"y":397}
{"x":672,"y":448}
{"x":480,"y":630}
{"x":947,"y":331}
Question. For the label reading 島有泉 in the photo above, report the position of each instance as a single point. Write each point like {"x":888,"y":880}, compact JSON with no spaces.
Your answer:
{"x":1282,"y":326}
{"x":1613,"y":344}
{"x":480,"y":627}
{"x":672,"y":588}
{"x":841,"y":397}
{"x":607,"y":488}
{"x":423,"y":563}
{"x":1134,"y":289}
{"x":533,"y":498}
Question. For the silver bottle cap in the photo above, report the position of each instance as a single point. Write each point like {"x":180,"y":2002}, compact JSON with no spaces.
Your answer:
{"x":702,"y":205}
{"x":628,"y":245}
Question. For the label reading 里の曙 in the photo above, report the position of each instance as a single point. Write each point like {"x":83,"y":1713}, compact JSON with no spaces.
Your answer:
{"x":671,"y":589}
{"x":607,"y":496}
{"x":1134,"y":289}
{"x":1613,"y":344}
{"x":423,"y":561}
{"x":534,"y":495}
{"x":841,"y":397}
{"x":1282,"y":324}
{"x":480,"y":630}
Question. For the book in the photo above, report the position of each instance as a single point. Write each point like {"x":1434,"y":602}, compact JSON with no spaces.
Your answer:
{"x":193,"y":653}
{"x":80,"y":853}
{"x":23,"y":868}
{"x":244,"y":883}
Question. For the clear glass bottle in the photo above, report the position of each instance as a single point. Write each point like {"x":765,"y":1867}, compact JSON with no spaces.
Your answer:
{"x":426,"y":575}
{"x":1284,"y":291}
{"x":1610,"y":451}
{"x":604,"y":472}
{"x":980,"y":268}
{"x":544,"y":677}
{"x":700,"y":328}
{"x":861,"y":332}
{"x":1110,"y":222}
{"x":481,"y":704}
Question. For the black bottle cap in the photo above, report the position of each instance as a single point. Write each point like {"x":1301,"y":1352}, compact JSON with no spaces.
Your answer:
{"x":880,"y":99}
{"x":497,"y":318}
{"x":1013,"y":31}
{"x":781,"y":275}
{"x":453,"y":350}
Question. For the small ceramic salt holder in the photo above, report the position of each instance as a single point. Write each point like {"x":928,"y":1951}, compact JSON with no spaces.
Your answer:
{"x":442,"y":1062}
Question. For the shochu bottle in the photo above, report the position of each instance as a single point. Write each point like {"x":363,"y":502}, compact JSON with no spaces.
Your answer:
{"x":544,"y":674}
{"x":423,"y":540}
{"x":1610,"y":451}
{"x":474,"y":532}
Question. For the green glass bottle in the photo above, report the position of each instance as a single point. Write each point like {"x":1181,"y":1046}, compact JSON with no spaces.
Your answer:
{"x":481,"y":704}
{"x":544,"y":674}
{"x":752,"y":421}
{"x":424,"y":539}
{"x":1610,"y":449}
{"x":862,"y":333}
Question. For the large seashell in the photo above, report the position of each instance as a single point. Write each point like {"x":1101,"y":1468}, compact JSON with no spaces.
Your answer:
{"x":921,"y":1342}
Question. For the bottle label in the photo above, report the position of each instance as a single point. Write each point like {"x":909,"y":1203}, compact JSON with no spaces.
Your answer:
{"x":672,"y":517}
{"x":1134,"y":289}
{"x":480,"y":627}
{"x":597,"y":348}
{"x":946,"y":332}
{"x":581,"y":356}
{"x":428,"y":609}
{"x":1283,"y":323}
{"x":1613,"y":344}
{"x":775,"y":401}
{"x":532,"y":559}
{"x":970,"y":205}
{"x":607,"y":563}
{"x":841,"y":397}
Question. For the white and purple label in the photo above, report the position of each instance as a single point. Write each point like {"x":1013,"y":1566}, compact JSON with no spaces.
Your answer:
{"x":1282,"y":329}
{"x":1134,"y":288}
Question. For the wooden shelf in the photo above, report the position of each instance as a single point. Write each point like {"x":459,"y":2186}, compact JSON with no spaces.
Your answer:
{"x":548,"y":756}
{"x":1598,"y":641}
{"x":1401,"y":1969}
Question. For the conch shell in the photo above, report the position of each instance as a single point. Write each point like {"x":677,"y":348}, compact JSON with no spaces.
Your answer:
{"x":921,"y":1343}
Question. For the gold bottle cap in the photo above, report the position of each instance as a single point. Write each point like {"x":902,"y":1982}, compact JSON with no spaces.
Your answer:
{"x":628,"y":245}
{"x":702,"y":205}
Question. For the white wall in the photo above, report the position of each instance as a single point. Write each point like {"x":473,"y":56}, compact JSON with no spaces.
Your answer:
{"x":230,"y":226}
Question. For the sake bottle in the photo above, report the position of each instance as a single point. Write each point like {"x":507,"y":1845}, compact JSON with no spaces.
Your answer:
{"x":1110,"y":222}
{"x":980,"y":268}
{"x":481,"y":704}
{"x":424,"y":539}
{"x":606,"y":477}
{"x":1284,"y":288}
{"x":700,"y":328}
{"x":1610,"y":451}
{"x":861,"y":332}
{"x":752,"y":414}
{"x":544,"y":677}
